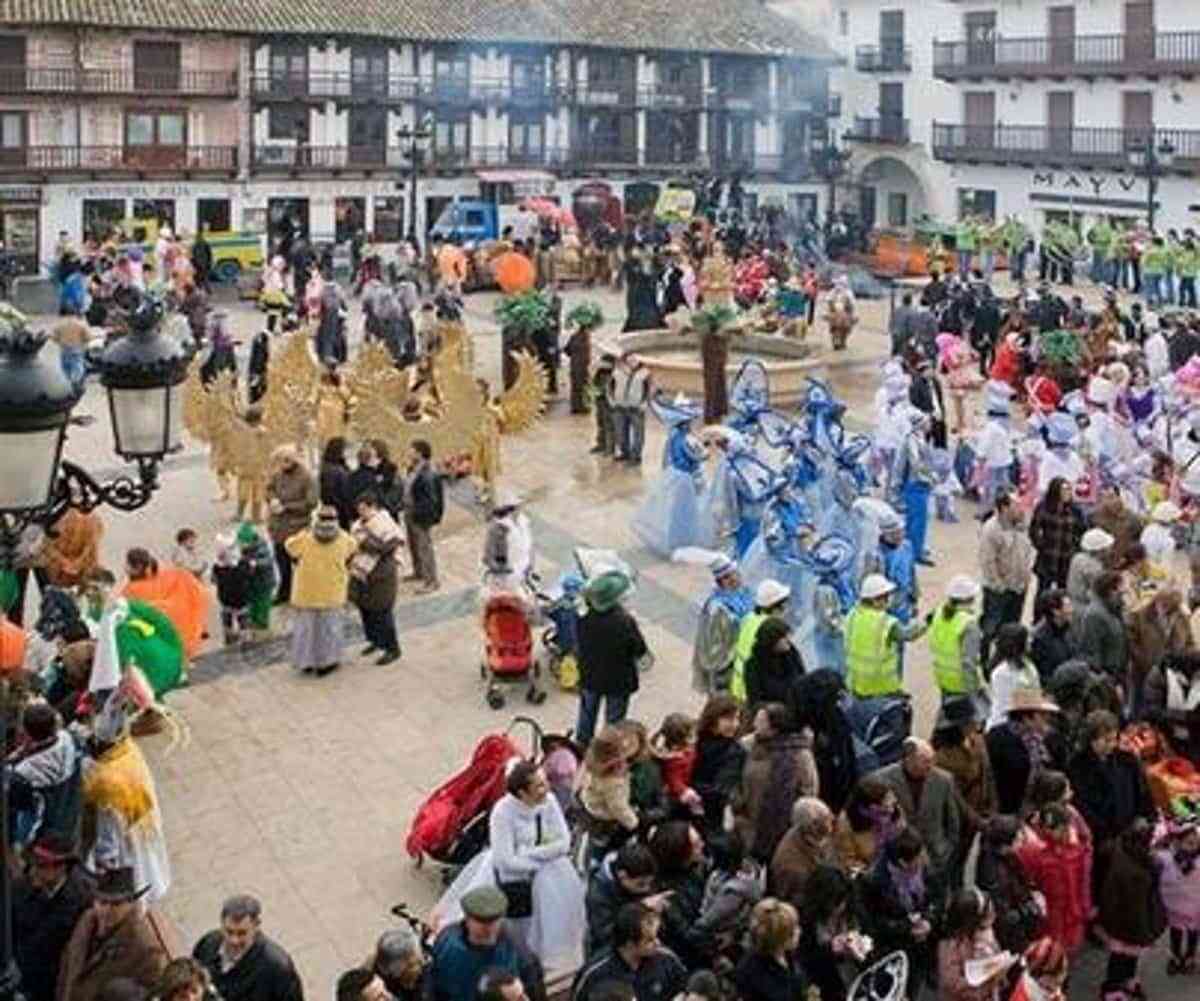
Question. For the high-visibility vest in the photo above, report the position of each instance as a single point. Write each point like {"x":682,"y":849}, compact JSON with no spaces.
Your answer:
{"x":741,"y":653}
{"x":872,"y":661}
{"x":945,"y":644}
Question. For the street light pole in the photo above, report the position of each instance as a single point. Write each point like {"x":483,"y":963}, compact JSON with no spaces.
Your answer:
{"x":1154,"y":161}
{"x":414,"y":137}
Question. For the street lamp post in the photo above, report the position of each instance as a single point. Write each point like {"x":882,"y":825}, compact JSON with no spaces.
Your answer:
{"x":143,"y":374}
{"x":1153,"y":162}
{"x":830,"y":164}
{"x":414,"y":139}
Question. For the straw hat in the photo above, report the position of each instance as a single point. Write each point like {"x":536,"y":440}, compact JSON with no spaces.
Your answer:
{"x":1166,"y":512}
{"x":1096,"y":540}
{"x":1032,"y":700}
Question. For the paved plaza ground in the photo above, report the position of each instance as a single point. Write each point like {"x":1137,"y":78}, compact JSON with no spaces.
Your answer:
{"x":300,"y":790}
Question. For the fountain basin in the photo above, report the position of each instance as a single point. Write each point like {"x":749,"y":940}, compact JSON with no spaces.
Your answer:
{"x":674,"y":361}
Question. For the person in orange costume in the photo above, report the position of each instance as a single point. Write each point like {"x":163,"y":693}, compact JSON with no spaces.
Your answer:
{"x":174,"y":592}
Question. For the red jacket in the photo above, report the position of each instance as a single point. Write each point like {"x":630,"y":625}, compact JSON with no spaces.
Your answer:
{"x":1062,"y":871}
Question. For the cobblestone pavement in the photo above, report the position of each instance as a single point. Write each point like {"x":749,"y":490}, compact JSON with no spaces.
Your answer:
{"x":301,"y":790}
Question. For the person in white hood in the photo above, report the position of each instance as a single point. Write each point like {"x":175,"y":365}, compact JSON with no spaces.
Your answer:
{"x":1158,"y":359}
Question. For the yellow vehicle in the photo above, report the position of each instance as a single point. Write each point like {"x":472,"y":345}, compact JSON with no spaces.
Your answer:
{"x":233,"y":252}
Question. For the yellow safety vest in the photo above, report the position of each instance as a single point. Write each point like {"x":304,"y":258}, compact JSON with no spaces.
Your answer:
{"x":741,"y":653}
{"x":945,"y":644}
{"x":872,"y":661}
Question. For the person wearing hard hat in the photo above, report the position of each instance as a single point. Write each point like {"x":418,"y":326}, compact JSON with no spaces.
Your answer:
{"x":770,"y":598}
{"x":874,"y":641}
{"x":955,"y":640}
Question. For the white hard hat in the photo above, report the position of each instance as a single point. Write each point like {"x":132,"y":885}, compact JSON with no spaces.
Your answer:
{"x":876,"y":585}
{"x":1096,"y":540}
{"x":505,"y":498}
{"x":963,"y":588}
{"x":770,"y":593}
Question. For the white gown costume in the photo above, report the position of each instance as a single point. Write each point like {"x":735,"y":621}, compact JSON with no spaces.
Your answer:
{"x":529,"y":843}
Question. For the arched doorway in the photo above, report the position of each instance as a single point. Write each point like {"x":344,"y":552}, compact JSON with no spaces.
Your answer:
{"x":891,"y":194}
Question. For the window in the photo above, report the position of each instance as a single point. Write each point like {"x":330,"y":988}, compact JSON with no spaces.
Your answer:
{"x":155,"y":128}
{"x":161,"y":210}
{"x":389,"y":219}
{"x":475,"y":219}
{"x":156,"y":66}
{"x":525,"y":136}
{"x":452,"y":134}
{"x":976,"y":202}
{"x":101,"y":216}
{"x":13,"y":129}
{"x":214,"y":213}
{"x":452,"y":76}
{"x":289,"y":60}
{"x":287,"y":122}
{"x":843,"y":23}
{"x":897,"y":209}
{"x":528,"y":78}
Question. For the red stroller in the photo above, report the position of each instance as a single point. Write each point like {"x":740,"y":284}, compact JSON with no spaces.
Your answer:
{"x":451,"y":827}
{"x":508,"y":649}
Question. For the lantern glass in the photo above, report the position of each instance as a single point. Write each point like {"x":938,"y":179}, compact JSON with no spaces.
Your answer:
{"x":147,"y":422}
{"x":29,"y":467}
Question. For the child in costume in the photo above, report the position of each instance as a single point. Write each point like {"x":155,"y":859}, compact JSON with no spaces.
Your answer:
{"x":1178,"y":857}
{"x":232,"y":580}
{"x":994,"y":445}
{"x":945,"y":485}
{"x":669,"y":517}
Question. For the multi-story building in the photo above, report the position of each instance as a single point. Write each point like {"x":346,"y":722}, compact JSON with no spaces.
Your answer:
{"x":1038,"y":109}
{"x":197,"y":113}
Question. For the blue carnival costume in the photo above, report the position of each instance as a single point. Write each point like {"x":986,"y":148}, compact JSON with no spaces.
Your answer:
{"x":670,"y":515}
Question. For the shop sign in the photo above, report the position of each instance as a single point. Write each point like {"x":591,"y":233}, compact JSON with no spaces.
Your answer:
{"x":20,"y":193}
{"x":148,"y":191}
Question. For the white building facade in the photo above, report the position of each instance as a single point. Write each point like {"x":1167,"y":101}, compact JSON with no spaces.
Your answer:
{"x":191,"y":117}
{"x":1037,"y":109}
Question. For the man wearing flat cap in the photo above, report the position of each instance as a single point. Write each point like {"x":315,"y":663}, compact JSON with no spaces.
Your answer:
{"x":118,"y":936}
{"x":467,"y":949}
{"x":47,"y":903}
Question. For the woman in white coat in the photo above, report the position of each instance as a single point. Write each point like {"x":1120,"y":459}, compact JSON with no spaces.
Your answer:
{"x":529,"y":860}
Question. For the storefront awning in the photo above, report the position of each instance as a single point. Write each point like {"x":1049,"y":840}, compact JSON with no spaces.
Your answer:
{"x":514,"y":176}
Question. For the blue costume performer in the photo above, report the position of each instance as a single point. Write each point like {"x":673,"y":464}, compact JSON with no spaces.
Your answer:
{"x":732,"y":505}
{"x":787,"y":529}
{"x":669,"y":517}
{"x":828,"y":596}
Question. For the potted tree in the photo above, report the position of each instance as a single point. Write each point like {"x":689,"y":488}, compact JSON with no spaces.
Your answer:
{"x":714,"y":324}
{"x":585,"y":318}
{"x":521,"y":317}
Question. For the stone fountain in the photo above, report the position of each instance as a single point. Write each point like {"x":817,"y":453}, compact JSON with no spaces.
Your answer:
{"x":672,"y":354}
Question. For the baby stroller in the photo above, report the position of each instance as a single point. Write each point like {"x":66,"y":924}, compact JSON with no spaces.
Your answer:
{"x":885,"y":980}
{"x":451,"y":827}
{"x":508,"y":649}
{"x":880,"y":727}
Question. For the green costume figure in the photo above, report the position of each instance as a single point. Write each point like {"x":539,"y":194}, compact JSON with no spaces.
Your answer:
{"x":8,"y":590}
{"x":150,"y":640}
{"x":259,"y":559}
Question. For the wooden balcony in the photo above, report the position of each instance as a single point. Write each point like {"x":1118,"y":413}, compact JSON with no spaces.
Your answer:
{"x":887,"y":58}
{"x":887,"y":131}
{"x":351,"y":88}
{"x":186,"y":160}
{"x":53,"y":81}
{"x":666,"y":97}
{"x":1042,"y":146}
{"x":1174,"y":53}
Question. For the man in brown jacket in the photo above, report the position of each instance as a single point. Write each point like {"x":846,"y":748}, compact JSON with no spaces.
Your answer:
{"x":807,"y":844}
{"x":1157,"y":629}
{"x":292,"y":496}
{"x":117,"y":937}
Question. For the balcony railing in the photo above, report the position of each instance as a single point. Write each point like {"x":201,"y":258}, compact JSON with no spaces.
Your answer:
{"x":295,"y":159}
{"x":1042,"y":145}
{"x":139,"y":159}
{"x":833,"y":106}
{"x":886,"y":58}
{"x":889,"y":130}
{"x":1164,"y":52}
{"x":667,"y":95}
{"x":332,"y":86}
{"x":71,"y":80}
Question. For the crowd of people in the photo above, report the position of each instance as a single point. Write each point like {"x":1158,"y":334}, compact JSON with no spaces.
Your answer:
{"x":780,"y":839}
